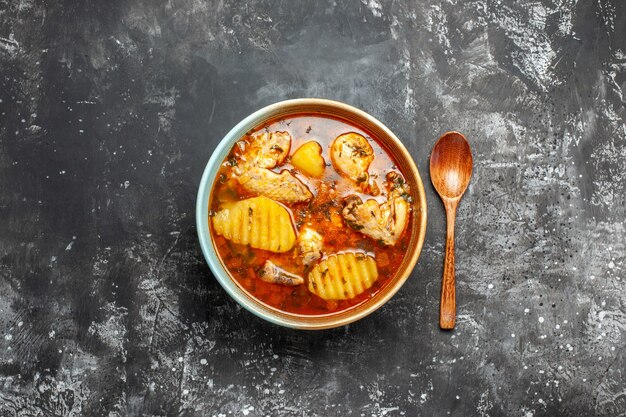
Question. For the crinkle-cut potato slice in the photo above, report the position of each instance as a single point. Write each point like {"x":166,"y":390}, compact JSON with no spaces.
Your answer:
{"x":309,"y":160}
{"x":343,"y":276}
{"x":259,"y":222}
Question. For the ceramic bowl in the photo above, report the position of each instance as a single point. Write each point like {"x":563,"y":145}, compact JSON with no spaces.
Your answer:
{"x":386,"y":138}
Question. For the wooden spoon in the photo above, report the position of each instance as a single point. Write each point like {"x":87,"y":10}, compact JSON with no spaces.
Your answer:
{"x":450,"y":173}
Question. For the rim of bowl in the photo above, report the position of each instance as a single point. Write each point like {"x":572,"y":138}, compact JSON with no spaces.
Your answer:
{"x":322,"y":107}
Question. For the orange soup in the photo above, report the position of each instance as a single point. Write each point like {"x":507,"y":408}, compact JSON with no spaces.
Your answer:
{"x":310,"y":214}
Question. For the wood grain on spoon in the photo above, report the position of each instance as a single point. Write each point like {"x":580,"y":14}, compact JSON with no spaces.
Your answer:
{"x":450,"y":173}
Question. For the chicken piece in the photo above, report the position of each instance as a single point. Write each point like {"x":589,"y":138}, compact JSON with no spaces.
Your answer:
{"x":265,"y":150}
{"x":274,"y":274}
{"x":283,"y":187}
{"x":371,"y":187}
{"x":261,"y":152}
{"x":351,"y":155}
{"x":309,"y":245}
{"x":384,"y":222}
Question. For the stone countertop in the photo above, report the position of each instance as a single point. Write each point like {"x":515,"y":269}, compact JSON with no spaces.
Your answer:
{"x":109,"y":111}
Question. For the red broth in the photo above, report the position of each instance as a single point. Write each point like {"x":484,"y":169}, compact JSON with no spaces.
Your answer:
{"x":322,"y":213}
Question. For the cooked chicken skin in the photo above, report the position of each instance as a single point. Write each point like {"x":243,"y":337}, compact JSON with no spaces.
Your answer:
{"x":265,"y":150}
{"x":274,"y":274}
{"x":255,"y":158}
{"x":283,"y":187}
{"x":351,"y":155}
{"x":384,"y":222}
{"x":309,"y":245}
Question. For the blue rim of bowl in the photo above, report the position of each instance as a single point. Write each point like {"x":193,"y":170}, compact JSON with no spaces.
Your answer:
{"x":202,"y":217}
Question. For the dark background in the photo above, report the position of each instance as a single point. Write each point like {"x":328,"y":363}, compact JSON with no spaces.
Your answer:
{"x":109,"y":111}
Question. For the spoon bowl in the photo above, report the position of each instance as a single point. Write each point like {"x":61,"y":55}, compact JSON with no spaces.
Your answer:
{"x":451,"y":165}
{"x":450,"y":173}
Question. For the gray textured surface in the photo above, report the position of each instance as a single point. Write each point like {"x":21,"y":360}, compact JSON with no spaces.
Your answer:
{"x":110,"y":110}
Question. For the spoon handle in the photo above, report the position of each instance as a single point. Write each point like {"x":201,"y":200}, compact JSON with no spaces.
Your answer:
{"x":447,"y":308}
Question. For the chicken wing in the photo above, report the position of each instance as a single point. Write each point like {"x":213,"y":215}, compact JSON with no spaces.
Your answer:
{"x":384,"y":222}
{"x":283,"y":187}
{"x":274,"y":274}
{"x":351,"y":155}
{"x":264,"y":150}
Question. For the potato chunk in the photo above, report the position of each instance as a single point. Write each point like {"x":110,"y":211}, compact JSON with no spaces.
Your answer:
{"x":343,"y":276}
{"x":309,"y":160}
{"x":259,"y":222}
